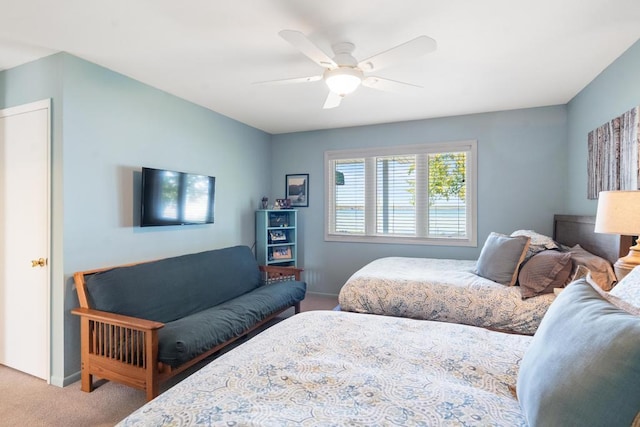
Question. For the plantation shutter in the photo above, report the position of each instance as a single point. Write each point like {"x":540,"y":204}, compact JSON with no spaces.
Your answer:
{"x":349,"y":210}
{"x":447,"y":213}
{"x":395,"y":195}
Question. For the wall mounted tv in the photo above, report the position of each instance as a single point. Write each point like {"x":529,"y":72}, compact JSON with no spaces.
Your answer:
{"x":176,"y":198}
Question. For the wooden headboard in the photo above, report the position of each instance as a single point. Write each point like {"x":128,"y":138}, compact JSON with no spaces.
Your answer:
{"x":576,"y":229}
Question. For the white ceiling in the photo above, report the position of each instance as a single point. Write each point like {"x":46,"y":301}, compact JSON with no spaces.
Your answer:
{"x":492,"y":54}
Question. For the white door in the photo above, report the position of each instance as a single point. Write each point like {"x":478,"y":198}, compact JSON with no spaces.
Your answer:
{"x":24,"y":238}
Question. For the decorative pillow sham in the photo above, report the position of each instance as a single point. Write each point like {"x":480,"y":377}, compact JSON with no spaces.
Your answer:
{"x":599,"y":268}
{"x":628,"y":289}
{"x":537,"y":239}
{"x":501,"y":257}
{"x":544,"y":272}
{"x":539,"y":242}
{"x":583,"y":364}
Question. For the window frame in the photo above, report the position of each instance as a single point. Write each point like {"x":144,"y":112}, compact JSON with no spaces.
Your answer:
{"x":469,"y":146}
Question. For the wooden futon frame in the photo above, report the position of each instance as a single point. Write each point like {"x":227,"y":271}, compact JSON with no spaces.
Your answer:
{"x":125,"y":349}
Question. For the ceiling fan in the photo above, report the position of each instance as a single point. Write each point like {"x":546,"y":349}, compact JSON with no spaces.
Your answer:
{"x":343,"y":73}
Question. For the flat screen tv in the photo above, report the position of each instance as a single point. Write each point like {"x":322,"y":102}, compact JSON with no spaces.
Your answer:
{"x":176,"y":198}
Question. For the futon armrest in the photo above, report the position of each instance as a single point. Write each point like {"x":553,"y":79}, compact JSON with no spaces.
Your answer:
{"x":278,"y":274}
{"x":117,"y":319}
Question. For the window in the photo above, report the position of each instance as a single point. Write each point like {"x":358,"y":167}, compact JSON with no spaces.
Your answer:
{"x":410,"y":194}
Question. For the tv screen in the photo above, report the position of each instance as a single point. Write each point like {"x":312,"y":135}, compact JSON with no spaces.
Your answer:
{"x":176,"y":198}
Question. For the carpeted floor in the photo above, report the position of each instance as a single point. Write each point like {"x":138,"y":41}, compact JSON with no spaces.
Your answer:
{"x":29,"y":401}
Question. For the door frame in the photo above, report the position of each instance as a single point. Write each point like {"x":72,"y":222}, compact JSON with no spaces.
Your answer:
{"x":44,"y":104}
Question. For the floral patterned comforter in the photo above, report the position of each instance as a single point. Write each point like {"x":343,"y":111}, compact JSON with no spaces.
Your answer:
{"x":338,"y":368}
{"x":441,"y":289}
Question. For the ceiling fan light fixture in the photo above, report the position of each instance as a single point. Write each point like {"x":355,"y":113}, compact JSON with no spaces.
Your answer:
{"x":343,"y":80}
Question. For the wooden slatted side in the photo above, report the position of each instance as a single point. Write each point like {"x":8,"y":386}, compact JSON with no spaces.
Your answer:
{"x":273,"y":274}
{"x":126,"y":345}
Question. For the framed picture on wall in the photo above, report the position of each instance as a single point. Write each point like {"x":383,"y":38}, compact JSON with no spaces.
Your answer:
{"x":613,"y":155}
{"x":297,"y":189}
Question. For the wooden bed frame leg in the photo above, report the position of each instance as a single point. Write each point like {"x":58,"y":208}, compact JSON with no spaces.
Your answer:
{"x":152,"y":391}
{"x":86,"y":379}
{"x":151,"y":365}
{"x":86,"y":383}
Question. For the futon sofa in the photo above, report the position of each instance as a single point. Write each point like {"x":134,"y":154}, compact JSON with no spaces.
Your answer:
{"x":143,"y":323}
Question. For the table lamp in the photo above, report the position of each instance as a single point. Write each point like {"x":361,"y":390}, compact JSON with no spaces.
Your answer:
{"x":619,"y":213}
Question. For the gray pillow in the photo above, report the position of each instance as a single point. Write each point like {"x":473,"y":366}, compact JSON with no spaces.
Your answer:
{"x":583,"y":364}
{"x":501,"y":257}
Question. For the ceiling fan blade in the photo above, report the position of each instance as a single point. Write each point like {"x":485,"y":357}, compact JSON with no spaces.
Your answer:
{"x":333,"y":100}
{"x":408,"y":50}
{"x":288,"y":81}
{"x":307,"y":47}
{"x":389,"y":85}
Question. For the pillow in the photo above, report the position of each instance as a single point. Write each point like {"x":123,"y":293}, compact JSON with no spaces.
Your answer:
{"x":539,"y":242}
{"x":580,"y":272}
{"x":543,"y":272}
{"x":628,"y":289}
{"x":501,"y":257}
{"x":537,"y":239}
{"x":599,"y":268}
{"x":583,"y":364}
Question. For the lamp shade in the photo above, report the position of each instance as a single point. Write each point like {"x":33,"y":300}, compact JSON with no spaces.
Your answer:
{"x":618,"y":213}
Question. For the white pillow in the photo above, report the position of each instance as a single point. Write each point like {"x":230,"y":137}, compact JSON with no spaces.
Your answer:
{"x":539,"y":242}
{"x":537,"y":239}
{"x":628,"y":289}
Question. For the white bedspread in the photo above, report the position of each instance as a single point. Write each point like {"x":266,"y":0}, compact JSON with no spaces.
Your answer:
{"x":338,"y":368}
{"x":441,"y":289}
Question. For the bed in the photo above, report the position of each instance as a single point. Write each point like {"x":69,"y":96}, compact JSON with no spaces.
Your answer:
{"x":451,"y":291}
{"x":342,"y":368}
{"x":320,"y":367}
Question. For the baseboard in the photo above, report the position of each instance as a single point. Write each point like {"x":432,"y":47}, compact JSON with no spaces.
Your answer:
{"x":63,"y":382}
{"x":320,"y":294}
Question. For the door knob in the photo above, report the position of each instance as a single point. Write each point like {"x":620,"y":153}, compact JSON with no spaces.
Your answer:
{"x":41,"y":262}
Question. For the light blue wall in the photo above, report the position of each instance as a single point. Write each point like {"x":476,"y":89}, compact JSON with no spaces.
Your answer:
{"x":108,"y":126}
{"x":113,"y":126}
{"x":614,"y":91}
{"x":521,"y":174}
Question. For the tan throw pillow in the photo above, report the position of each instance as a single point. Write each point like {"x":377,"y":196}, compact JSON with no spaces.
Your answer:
{"x":600,"y":269}
{"x":580,"y":272}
